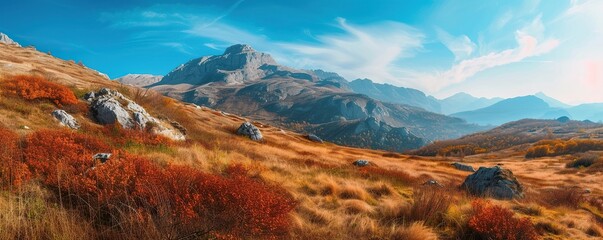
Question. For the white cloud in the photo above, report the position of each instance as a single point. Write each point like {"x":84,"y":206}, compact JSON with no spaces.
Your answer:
{"x":461,"y":46}
{"x":360,"y":51}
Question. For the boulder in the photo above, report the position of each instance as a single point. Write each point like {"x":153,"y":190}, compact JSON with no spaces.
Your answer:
{"x":361,"y":163}
{"x":463,"y":167}
{"x":251,"y":131}
{"x":493,"y":182}
{"x":65,"y":119}
{"x":111,"y":107}
{"x":314,"y":138}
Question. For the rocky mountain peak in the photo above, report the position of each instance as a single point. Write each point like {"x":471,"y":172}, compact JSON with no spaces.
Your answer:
{"x":5,"y":39}
{"x":239,"y":48}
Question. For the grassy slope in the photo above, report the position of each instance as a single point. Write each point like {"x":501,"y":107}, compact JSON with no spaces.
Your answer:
{"x":336,"y":200}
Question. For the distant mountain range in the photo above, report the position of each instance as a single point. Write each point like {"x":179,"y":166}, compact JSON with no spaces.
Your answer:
{"x":538,"y":106}
{"x":252,"y":84}
{"x":358,"y":113}
{"x":139,"y":80}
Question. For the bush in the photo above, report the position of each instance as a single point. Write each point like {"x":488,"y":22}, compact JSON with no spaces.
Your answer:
{"x":495,"y":222}
{"x":36,"y":87}
{"x":560,"y":147}
{"x":13,"y":172}
{"x":567,"y":196}
{"x":583,"y":160}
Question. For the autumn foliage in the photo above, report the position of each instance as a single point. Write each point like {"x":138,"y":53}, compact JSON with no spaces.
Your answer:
{"x":177,"y":197}
{"x":13,"y":172}
{"x":560,"y":147}
{"x":495,"y":222}
{"x":36,"y":87}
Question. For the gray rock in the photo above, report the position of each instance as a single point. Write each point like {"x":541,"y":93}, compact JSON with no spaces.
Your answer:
{"x":66,"y":119}
{"x":361,"y":163}
{"x":314,"y":138}
{"x":463,"y":167}
{"x":111,"y":107}
{"x":493,"y":182}
{"x":251,"y":131}
{"x":433,"y":183}
{"x":102,"y":157}
{"x":89,"y":96}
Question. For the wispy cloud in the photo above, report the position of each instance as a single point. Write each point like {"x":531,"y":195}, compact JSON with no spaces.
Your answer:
{"x":461,"y":46}
{"x":360,"y":51}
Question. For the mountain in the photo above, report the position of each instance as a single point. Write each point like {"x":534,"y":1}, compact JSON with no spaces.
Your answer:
{"x":139,"y":80}
{"x":462,"y":102}
{"x":512,"y":109}
{"x":6,"y":40}
{"x":551,"y":101}
{"x":252,"y":84}
{"x":393,"y":94}
{"x":590,"y":111}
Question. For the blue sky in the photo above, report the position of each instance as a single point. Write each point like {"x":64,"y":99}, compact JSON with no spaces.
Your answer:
{"x":493,"y":48}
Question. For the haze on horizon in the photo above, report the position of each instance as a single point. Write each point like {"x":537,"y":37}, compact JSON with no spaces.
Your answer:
{"x":487,"y":49}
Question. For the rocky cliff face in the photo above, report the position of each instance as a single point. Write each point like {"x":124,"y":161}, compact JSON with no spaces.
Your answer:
{"x":252,"y":84}
{"x":6,"y":40}
{"x":239,"y":64}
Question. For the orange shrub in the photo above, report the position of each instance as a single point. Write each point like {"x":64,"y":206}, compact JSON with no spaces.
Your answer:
{"x":495,"y":222}
{"x":13,"y":172}
{"x":34,"y":87}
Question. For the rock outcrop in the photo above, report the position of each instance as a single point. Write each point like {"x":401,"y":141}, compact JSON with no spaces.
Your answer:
{"x":463,"y":167}
{"x":111,"y":107}
{"x":314,"y":138}
{"x":251,"y":131}
{"x":6,"y":40}
{"x":65,"y":119}
{"x":493,"y":182}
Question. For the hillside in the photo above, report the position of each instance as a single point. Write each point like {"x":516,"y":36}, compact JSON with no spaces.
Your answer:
{"x":219,"y":185}
{"x":513,"y":134}
{"x":250,"y":83}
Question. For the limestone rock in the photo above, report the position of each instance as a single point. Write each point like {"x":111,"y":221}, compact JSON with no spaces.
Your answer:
{"x":111,"y":107}
{"x":139,"y":80}
{"x":66,"y":119}
{"x":251,"y":131}
{"x":493,"y":182}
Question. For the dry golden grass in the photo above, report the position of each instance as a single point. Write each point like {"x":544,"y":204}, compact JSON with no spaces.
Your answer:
{"x":336,"y":200}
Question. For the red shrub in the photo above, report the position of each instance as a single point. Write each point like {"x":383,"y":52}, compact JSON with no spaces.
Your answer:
{"x":13,"y":172}
{"x":495,"y":222}
{"x":58,"y":155}
{"x":181,"y":198}
{"x":33,"y":87}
